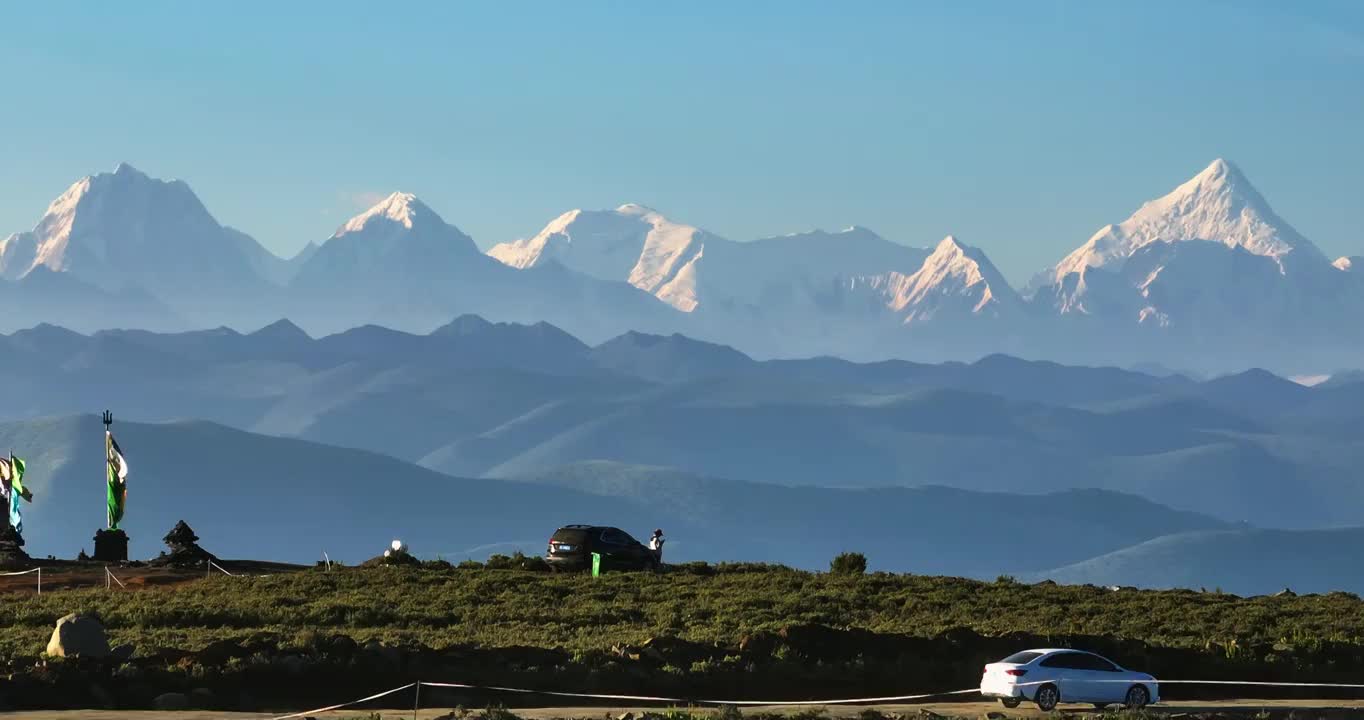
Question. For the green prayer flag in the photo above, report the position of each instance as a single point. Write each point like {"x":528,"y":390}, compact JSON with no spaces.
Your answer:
{"x":19,"y":467}
{"x":117,"y":471}
{"x":13,"y":490}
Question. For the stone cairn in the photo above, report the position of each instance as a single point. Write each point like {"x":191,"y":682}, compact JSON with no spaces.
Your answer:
{"x":184,"y":549}
{"x":12,"y":555}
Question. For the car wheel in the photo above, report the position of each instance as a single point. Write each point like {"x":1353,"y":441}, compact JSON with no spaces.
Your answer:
{"x":1010,"y":703}
{"x":1137,"y":697}
{"x":1047,"y":698}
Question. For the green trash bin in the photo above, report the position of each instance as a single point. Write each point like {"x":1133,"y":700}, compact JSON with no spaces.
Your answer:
{"x":596,"y":564}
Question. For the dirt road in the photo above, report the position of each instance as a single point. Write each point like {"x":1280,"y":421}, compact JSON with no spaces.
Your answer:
{"x":1337,"y":710}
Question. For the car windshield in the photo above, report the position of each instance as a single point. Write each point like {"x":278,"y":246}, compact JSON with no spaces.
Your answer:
{"x":569,"y":536}
{"x":1022,"y":658}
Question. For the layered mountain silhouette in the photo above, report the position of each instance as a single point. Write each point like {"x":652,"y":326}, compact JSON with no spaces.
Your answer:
{"x":475,"y":398}
{"x":351,"y":504}
{"x":1243,"y":561}
{"x":1198,"y":278}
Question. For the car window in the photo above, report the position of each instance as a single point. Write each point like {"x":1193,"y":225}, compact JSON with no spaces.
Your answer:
{"x":570,"y":536}
{"x":1067,"y":660}
{"x":612,"y":536}
{"x":1022,"y":658}
{"x":1094,"y":662}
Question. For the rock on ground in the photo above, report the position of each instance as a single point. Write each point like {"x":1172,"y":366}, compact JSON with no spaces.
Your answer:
{"x":78,"y":634}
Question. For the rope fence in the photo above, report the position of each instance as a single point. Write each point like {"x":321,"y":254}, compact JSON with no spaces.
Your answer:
{"x":110,"y":579}
{"x":690,"y":702}
{"x":109,"y":575}
{"x":37,"y":570}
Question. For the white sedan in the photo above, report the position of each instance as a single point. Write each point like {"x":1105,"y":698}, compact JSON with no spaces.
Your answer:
{"x":1048,"y":677}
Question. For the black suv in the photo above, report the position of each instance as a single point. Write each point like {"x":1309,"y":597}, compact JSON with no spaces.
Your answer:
{"x":571,"y":548}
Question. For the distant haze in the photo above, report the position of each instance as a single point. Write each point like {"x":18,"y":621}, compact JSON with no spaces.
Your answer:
{"x":482,"y":438}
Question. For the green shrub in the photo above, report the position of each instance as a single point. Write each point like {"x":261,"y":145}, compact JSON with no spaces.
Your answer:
{"x":517,"y":561}
{"x":849,"y":563}
{"x":498,"y":561}
{"x":497,"y":713}
{"x":729,"y":712}
{"x":696,"y":567}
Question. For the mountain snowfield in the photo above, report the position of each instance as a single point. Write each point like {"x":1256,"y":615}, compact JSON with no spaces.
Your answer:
{"x":398,"y":236}
{"x":954,"y":278}
{"x":687,"y":267}
{"x":631,"y":243}
{"x":1195,"y":279}
{"x":1218,"y":204}
{"x":1209,"y":262}
{"x":122,"y":229}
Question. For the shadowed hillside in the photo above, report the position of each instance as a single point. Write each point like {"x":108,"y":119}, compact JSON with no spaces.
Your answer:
{"x":253,"y":496}
{"x":478,"y":399}
{"x":1241,"y":561}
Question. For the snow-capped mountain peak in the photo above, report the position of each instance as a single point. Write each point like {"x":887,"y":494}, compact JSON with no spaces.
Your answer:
{"x":393,"y":243}
{"x":124,"y":228}
{"x":1349,"y":263}
{"x":124,"y":169}
{"x":950,"y":246}
{"x":636,"y":210}
{"x":402,"y":208}
{"x":955,"y":279}
{"x":50,"y":238}
{"x":1218,"y":204}
{"x":632,"y":242}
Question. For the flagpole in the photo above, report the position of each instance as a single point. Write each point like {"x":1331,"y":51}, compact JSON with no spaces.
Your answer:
{"x":111,"y":545}
{"x":108,"y":419}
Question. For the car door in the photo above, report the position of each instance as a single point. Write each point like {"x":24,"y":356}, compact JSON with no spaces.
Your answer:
{"x":1072,"y":677}
{"x":1102,"y":679}
{"x":639,"y":555}
{"x":614,"y":550}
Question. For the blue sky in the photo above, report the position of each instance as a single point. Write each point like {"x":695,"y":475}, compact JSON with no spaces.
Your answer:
{"x":1019,"y":127}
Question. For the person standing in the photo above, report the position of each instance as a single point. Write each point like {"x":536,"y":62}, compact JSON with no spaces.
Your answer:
{"x":656,"y":546}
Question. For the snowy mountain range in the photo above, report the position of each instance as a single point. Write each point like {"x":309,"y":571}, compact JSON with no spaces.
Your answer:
{"x":1199,"y":278}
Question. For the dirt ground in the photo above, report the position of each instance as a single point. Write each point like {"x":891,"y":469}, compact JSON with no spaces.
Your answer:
{"x":67,"y":575}
{"x":1243,"y":708}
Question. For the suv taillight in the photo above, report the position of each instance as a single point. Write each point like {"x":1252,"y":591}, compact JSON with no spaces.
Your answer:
{"x":1016,"y":672}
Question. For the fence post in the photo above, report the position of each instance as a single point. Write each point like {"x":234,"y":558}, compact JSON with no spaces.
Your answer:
{"x":416,"y":700}
{"x":40,"y":581}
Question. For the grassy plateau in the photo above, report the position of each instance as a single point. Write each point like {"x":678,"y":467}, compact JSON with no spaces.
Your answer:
{"x":727,"y":631}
